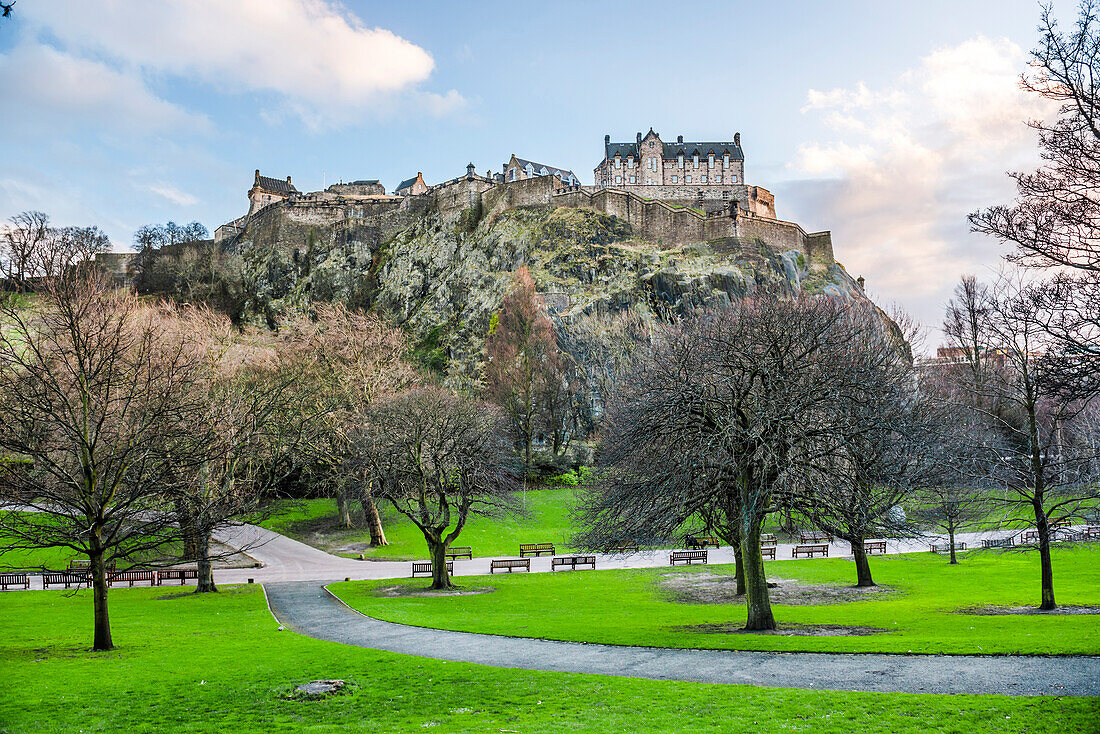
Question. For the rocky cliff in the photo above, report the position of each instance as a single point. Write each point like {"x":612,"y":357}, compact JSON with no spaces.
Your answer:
{"x":442,"y":277}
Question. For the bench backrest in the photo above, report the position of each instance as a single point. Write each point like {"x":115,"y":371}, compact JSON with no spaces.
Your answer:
{"x":689,"y":554}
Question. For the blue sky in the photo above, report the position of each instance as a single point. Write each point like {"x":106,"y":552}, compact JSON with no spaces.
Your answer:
{"x":885,"y":122}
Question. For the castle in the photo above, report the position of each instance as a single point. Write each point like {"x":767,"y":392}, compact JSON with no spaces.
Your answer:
{"x":671,"y":194}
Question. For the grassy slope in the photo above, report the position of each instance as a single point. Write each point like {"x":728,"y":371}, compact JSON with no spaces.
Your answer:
{"x":920,"y":618}
{"x":188,"y":663}
{"x":312,"y":521}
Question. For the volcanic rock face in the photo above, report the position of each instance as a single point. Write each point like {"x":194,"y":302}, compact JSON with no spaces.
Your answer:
{"x":443,"y":278}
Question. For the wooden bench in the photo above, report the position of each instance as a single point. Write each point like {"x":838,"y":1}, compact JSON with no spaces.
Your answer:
{"x":536,"y":549}
{"x":15,"y":578}
{"x":687,"y":557}
{"x":510,"y":564}
{"x":698,"y":542}
{"x":572,"y":562}
{"x":460,"y":552}
{"x":83,"y":564}
{"x":767,"y":552}
{"x":1092,"y":532}
{"x":946,"y":547}
{"x":426,"y":567}
{"x":1029,"y":536}
{"x":180,"y":574}
{"x":132,"y":576}
{"x":1064,"y":522}
{"x":768,"y":539}
{"x":627,"y":548}
{"x":816,"y":549}
{"x":870,"y":547}
{"x":68,"y":578}
{"x":998,"y":542}
{"x":813,"y":536}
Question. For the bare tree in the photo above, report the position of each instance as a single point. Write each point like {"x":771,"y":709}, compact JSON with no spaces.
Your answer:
{"x":94,"y":392}
{"x":20,"y":244}
{"x":66,"y":249}
{"x":1038,"y":451}
{"x":953,"y":507}
{"x":343,"y":360}
{"x":724,"y":421}
{"x":438,"y":458}
{"x":525,"y":369}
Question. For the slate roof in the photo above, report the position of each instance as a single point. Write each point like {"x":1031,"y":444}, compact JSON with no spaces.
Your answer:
{"x":541,"y":169}
{"x":366,"y":182}
{"x":407,"y":183}
{"x":672,"y":150}
{"x":276,"y":185}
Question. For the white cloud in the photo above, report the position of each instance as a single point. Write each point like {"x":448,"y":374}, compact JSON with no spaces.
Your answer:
{"x":902,"y":166}
{"x":42,"y":89}
{"x":318,"y":57}
{"x":172,"y":194}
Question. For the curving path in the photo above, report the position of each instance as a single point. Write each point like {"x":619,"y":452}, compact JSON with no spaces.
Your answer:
{"x":308,"y":608}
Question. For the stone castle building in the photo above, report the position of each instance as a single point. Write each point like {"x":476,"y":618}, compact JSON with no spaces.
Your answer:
{"x":519,"y":169}
{"x":266,"y":190}
{"x":412,"y":186}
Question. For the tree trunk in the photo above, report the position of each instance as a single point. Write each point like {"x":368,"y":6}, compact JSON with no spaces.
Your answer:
{"x":738,"y":564}
{"x":205,"y":581}
{"x":437,"y":550}
{"x":343,"y":510}
{"x":374,"y":520}
{"x":756,"y":583}
{"x":863,"y":567}
{"x":951,"y":543}
{"x":102,"y":638}
{"x":1046,"y":569}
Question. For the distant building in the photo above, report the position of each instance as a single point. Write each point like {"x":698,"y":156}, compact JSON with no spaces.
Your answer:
{"x":267,"y":190}
{"x":364,"y":187}
{"x":412,"y":186}
{"x":519,"y":169}
{"x":649,"y":161}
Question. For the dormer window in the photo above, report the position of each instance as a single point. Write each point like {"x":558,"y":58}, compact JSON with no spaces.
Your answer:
{"x":618,"y":162}
{"x":710,"y":161}
{"x":726,"y":160}
{"x":680,"y":159}
{"x":630,"y":161}
{"x":695,"y":160}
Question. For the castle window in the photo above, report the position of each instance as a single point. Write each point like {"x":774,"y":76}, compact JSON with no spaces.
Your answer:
{"x":618,"y":179}
{"x":630,"y":162}
{"x":618,"y":162}
{"x":675,"y":179}
{"x":726,"y":160}
{"x":513,"y":174}
{"x":633,"y":179}
{"x":733,"y":178}
{"x":681,"y":159}
{"x":695,"y":160}
{"x":710,"y":161}
{"x":703,"y":179}
{"x":718,"y":178}
{"x":687,"y":179}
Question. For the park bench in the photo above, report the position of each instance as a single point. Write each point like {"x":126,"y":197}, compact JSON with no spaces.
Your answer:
{"x":810,"y":551}
{"x":687,"y":557}
{"x":1064,"y":522}
{"x":1029,"y":536}
{"x":1092,"y":532}
{"x":626,"y":548}
{"x":768,"y":539}
{"x":698,"y":542}
{"x":132,"y":576}
{"x":814,"y":536}
{"x":426,"y":567}
{"x":510,"y":563}
{"x":870,"y":547}
{"x":572,"y":562}
{"x":15,"y":578}
{"x":68,"y":578}
{"x":998,"y":542}
{"x":536,"y":549}
{"x":767,"y":552}
{"x":946,"y":547}
{"x":83,"y":564}
{"x":460,"y":552}
{"x":180,"y":574}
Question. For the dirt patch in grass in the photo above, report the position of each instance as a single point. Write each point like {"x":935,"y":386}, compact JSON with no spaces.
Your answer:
{"x":708,"y":588}
{"x":785,"y":630}
{"x":398,"y":590}
{"x":1066,"y":609}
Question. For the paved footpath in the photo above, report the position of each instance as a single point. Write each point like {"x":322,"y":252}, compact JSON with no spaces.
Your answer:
{"x":307,"y":608}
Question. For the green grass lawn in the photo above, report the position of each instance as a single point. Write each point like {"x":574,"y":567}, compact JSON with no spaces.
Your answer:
{"x":629,"y":608}
{"x":313,"y":522}
{"x":189,"y":663}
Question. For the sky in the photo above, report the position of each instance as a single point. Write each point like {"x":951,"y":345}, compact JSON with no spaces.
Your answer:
{"x":884,"y":122}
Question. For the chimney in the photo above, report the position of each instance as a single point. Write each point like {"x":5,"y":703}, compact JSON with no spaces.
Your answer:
{"x":737,"y":139}
{"x":607,"y":140}
{"x":679,"y":138}
{"x":288,"y":180}
{"x":861,"y":281}
{"x":257,"y":175}
{"x":639,"y":138}
{"x":469,"y":169}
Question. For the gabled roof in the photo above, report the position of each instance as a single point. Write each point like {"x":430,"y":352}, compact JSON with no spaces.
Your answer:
{"x":275,"y":185}
{"x":624,"y":150}
{"x":541,"y":169}
{"x":407,"y":183}
{"x":366,"y":182}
